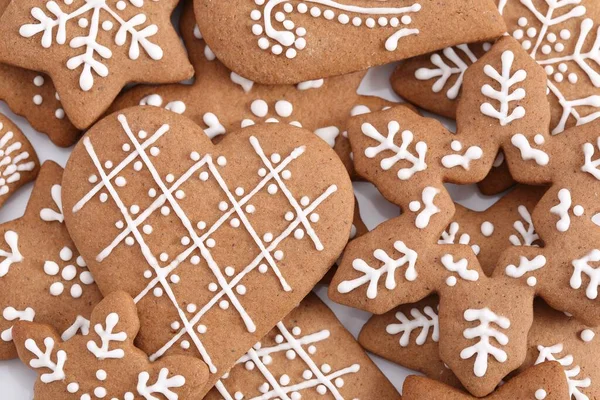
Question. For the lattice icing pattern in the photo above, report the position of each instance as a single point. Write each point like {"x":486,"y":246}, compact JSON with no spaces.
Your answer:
{"x":200,"y":257}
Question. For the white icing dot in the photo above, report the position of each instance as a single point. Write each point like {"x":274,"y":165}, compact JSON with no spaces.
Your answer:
{"x":164,"y":257}
{"x":107,"y":25}
{"x":137,"y":166}
{"x":546,"y":49}
{"x":321,"y":389}
{"x":275,"y":158}
{"x":272,"y":189}
{"x":262,"y":268}
{"x":224,"y":304}
{"x":191,"y":308}
{"x":540,"y":394}
{"x":56,"y":289}
{"x":101,"y":375}
{"x":66,"y":254}
{"x":578,"y":210}
{"x":120,"y":181}
{"x":565,"y":34}
{"x":370,"y":23}
{"x":239,"y":191}
{"x":157,"y":292}
{"x":147,"y":274}
{"x":289,"y":216}
{"x":201,"y":329}
{"x":250,"y":209}
{"x":170,"y":178}
{"x":73,"y":387}
{"x":312,"y":349}
{"x":147,"y":229}
{"x":185,"y":344}
{"x":69,"y":273}
{"x":223,"y":206}
{"x":451,"y":281}
{"x":539,"y":139}
{"x":518,"y":34}
{"x":284,"y":108}
{"x":203,"y":176}
{"x":278,"y":255}
{"x":210,"y":243}
{"x":315,"y":12}
{"x":304,"y":201}
{"x":328,"y":14}
{"x":277,"y":49}
{"x":108,"y":164}
{"x":221,"y":161}
{"x":134,"y":209}
{"x":268,"y":237}
{"x":406,"y":19}
{"x":587,"y":335}
{"x":573,"y":78}
{"x":558,"y":47}
{"x":532,"y":281}
{"x":86,"y":278}
{"x":37,"y":99}
{"x":154,"y":151}
{"x":314,"y":217}
{"x":240,"y":289}
{"x":558,"y":77}
{"x":526,"y":44}
{"x":522,"y":22}
{"x":299,"y":234}
{"x":180,"y":194}
{"x":93,"y":179}
{"x":38,"y":81}
{"x":195,"y":260}
{"x":175,"y":279}
{"x":235,"y":223}
{"x":76,"y":291}
{"x":531,"y":32}
{"x":175,"y":325}
{"x":414,"y":206}
{"x":165,"y":210}
{"x":487,"y":229}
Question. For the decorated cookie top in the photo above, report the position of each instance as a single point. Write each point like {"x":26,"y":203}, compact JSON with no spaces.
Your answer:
{"x":277,"y":42}
{"x":103,"y":362}
{"x":322,"y":105}
{"x":560,"y":36}
{"x":543,"y":382}
{"x":42,"y":276}
{"x":211,"y":235}
{"x":19,"y":163}
{"x":300,"y":358}
{"x":92,"y":49}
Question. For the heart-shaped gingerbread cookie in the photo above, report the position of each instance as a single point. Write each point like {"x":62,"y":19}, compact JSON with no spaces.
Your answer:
{"x":215,"y":243}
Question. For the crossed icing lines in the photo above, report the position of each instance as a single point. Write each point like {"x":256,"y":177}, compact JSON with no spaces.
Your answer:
{"x":280,"y":389}
{"x":198,"y":242}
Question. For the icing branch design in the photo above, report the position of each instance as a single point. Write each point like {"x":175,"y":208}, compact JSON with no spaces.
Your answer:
{"x":575,"y":385}
{"x":464,"y":160}
{"x":12,"y":161}
{"x":445,"y":71}
{"x":461,"y":267}
{"x":484,"y":332}
{"x":562,"y":210}
{"x":449,"y":237}
{"x":322,"y":379}
{"x":521,"y":142}
{"x":582,"y":266}
{"x":107,"y":336}
{"x":527,"y":235}
{"x":288,"y":38}
{"x":10,"y":256}
{"x":525,"y":266}
{"x":63,"y":21}
{"x":591,"y":166}
{"x":504,"y":96}
{"x":44,"y":360}
{"x":81,"y":324}
{"x":402,"y":152}
{"x":163,"y":385}
{"x":12,"y":314}
{"x":49,"y":214}
{"x":428,"y":197}
{"x":426,"y":321}
{"x":372,"y":275}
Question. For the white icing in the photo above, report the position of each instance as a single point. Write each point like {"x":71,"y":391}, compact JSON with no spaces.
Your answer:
{"x":107,"y":336}
{"x":401,"y":153}
{"x":487,"y":229}
{"x":461,"y":267}
{"x":81,"y":324}
{"x":504,"y":96}
{"x":163,"y":385}
{"x":60,"y":20}
{"x":426,"y":321}
{"x":540,"y":394}
{"x":316,"y":84}
{"x":527,"y":235}
{"x":463,"y":160}
{"x":583,"y":266}
{"x":525,"y":266}
{"x":49,"y":214}
{"x":428,"y":198}
{"x":587,"y":335}
{"x":12,"y":314}
{"x":590,"y":166}
{"x":562,"y":210}
{"x":527,"y":152}
{"x":44,"y":360}
{"x":328,"y":134}
{"x":389,"y":266}
{"x":214,"y":127}
{"x":484,"y":332}
{"x":575,"y":384}
{"x":445,"y":71}
{"x":449,"y":237}
{"x":155,"y":100}
{"x":12,"y":161}
{"x":246,"y":84}
{"x":12,"y":255}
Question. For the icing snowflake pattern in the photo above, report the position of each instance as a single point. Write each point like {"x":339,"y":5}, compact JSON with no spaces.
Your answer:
{"x":426,"y":320}
{"x":63,"y":22}
{"x":321,"y":379}
{"x":289,"y":39}
{"x":565,"y":56}
{"x":228,"y":288}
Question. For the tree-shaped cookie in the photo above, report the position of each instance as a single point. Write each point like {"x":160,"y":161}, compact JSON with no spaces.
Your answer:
{"x":275,"y":42}
{"x":104,"y":363}
{"x":409,"y":336}
{"x":92,"y":49}
{"x":19,"y":163}
{"x":543,"y":382}
{"x":221,"y":101}
{"x":42,"y":276}
{"x":560,"y":35}
{"x":408,"y":157}
{"x":33,"y":96}
{"x":402,"y":261}
{"x":216,"y":243}
{"x":301,"y":357}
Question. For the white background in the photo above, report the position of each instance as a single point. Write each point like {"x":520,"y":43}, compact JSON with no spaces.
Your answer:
{"x":16,"y":380}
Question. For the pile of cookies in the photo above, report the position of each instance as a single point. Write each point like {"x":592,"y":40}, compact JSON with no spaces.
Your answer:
{"x":176,"y":254}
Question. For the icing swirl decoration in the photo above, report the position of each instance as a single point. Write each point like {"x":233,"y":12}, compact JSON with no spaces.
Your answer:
{"x":289,"y":39}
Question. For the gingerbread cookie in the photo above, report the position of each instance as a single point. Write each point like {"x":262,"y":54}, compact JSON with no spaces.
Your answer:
{"x":558,"y":35}
{"x":410,"y":171}
{"x":274,"y":43}
{"x":221,"y":101}
{"x":19,"y":163}
{"x":42,"y":276}
{"x":33,"y":96}
{"x":103,"y":362}
{"x":184,"y":216}
{"x":409,"y":334}
{"x":543,"y":382}
{"x":91,"y":50}
{"x":301,"y":357}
